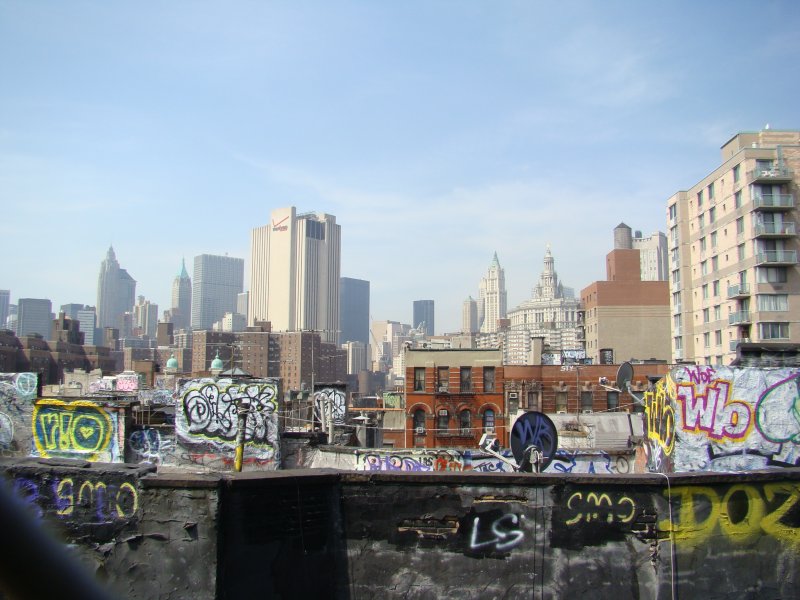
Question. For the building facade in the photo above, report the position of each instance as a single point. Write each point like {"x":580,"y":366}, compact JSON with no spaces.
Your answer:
{"x":295,"y":271}
{"x":469,"y":316}
{"x":354,"y":310}
{"x":424,"y":317}
{"x":453,"y":397}
{"x":34,"y":316}
{"x":116,"y":292}
{"x":216,"y":283}
{"x":492,"y":298}
{"x":552,"y":313}
{"x":625,"y":318}
{"x":733,"y":248}
{"x":652,"y":251}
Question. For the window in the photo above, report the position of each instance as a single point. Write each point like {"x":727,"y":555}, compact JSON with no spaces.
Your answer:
{"x":713,"y":239}
{"x":718,"y":312}
{"x":419,"y":420}
{"x":707,"y":339}
{"x":712,"y":214}
{"x":714,"y":264}
{"x":718,"y":337}
{"x":737,"y":199}
{"x":465,"y":422}
{"x":419,"y":379}
{"x":706,"y":313}
{"x":612,"y":401}
{"x":443,"y":420}
{"x":443,"y":378}
{"x":673,"y":212}
{"x":711,"y":191}
{"x":740,"y":226}
{"x":488,"y":418}
{"x":740,"y":251}
{"x":771,"y":274}
{"x":701,"y":220}
{"x":587,"y":401}
{"x":675,"y":276}
{"x":702,"y":244}
{"x":772,"y":302}
{"x":715,"y":286}
{"x":488,"y":379}
{"x":561,"y":401}
{"x":704,"y":268}
{"x":773,"y":331}
{"x":466,"y":379}
{"x":699,"y":199}
{"x":736,"y":174}
{"x":705,"y":291}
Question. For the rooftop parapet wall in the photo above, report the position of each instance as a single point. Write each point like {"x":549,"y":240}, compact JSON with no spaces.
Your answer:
{"x":715,"y":418}
{"x":326,"y":534}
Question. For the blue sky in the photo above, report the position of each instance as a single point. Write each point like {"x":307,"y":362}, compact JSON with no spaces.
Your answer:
{"x":437,"y":132}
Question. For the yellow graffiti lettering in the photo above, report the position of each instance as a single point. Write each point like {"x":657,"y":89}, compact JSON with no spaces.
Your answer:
{"x":598,"y":501}
{"x":772,"y":522}
{"x":569,"y":506}
{"x":747,"y":529}
{"x":61,"y":427}
{"x":687,"y":527}
{"x":597,"y":506}
{"x":68,"y":498}
{"x":134,"y":501}
{"x":660,"y":418}
{"x":628,"y":518}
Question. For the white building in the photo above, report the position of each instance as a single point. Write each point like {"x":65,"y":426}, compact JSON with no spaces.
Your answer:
{"x":295,"y":264}
{"x":216,"y":283}
{"x":492,"y":297}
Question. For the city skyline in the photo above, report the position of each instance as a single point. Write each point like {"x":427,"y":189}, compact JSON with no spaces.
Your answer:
{"x":438,"y":134}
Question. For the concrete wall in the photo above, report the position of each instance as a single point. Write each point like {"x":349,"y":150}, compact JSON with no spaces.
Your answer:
{"x":324,"y":534}
{"x":704,"y":418}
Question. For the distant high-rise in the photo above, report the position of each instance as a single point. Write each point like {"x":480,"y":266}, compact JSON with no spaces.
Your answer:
{"x":5,"y":301}
{"x":423,"y":315}
{"x":354,"y":310}
{"x":216,"y":283}
{"x":469,"y":316}
{"x":116,"y":292}
{"x":652,"y":251}
{"x":294,"y":273}
{"x":145,"y":317}
{"x":34,"y":315}
{"x":181,"y":309}
{"x":492,"y":297}
{"x":86,"y":316}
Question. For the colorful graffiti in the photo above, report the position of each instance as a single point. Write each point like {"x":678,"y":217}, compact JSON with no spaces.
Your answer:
{"x":206,"y":421}
{"x":78,"y":429}
{"x":723,"y":419}
{"x":330,"y":401}
{"x":151,"y":445}
{"x":17,"y":393}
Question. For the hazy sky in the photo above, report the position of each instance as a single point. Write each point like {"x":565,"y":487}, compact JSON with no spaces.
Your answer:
{"x":437,"y":133}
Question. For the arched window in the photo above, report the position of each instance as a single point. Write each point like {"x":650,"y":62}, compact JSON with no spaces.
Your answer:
{"x":465,"y":422}
{"x":419,"y":420}
{"x":488,"y":418}
{"x":442,"y":420}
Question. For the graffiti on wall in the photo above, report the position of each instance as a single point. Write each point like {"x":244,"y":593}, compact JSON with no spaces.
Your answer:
{"x":330,"y":401}
{"x":17,"y":393}
{"x":703,"y":418}
{"x":152,"y":445}
{"x":78,"y":429}
{"x":206,"y":421}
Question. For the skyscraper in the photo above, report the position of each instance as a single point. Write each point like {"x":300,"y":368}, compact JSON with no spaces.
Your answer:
{"x":216,"y":283}
{"x":294,"y":273}
{"x":423,"y":314}
{"x":469,"y":316}
{"x":354,"y":310}
{"x":5,"y":300}
{"x":116,"y":292}
{"x":34,"y":315}
{"x":733,"y":247}
{"x":145,"y":317}
{"x":492,"y":297}
{"x":86,"y":316}
{"x":181,"y":309}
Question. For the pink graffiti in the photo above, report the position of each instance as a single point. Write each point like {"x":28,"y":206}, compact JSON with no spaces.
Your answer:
{"x":127,"y":384}
{"x":714,"y":412}
{"x":700,"y":374}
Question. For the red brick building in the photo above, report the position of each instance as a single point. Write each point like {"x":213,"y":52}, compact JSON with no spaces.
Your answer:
{"x":453,"y":396}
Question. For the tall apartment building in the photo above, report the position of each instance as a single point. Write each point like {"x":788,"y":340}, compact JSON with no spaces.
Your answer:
{"x":551,"y":313}
{"x":34,"y":315}
{"x":86,"y":317}
{"x":424,"y":314}
{"x":492,"y":300}
{"x":216,"y":283}
{"x":5,"y":302}
{"x":294,"y":273}
{"x":354,"y":310}
{"x":145,"y":317}
{"x":626,"y":318}
{"x":733,"y":251}
{"x":181,"y":309}
{"x":116,"y":292}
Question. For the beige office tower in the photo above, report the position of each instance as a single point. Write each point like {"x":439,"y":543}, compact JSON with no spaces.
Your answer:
{"x":294,"y":273}
{"x":733,"y":251}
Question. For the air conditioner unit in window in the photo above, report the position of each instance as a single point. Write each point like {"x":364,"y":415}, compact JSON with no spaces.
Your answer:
{"x":561,"y":412}
{"x":489,"y":430}
{"x":587,"y":411}
{"x":420,"y":431}
{"x":513,"y":395}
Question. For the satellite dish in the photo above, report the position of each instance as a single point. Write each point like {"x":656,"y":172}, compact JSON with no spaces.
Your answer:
{"x":624,"y":376}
